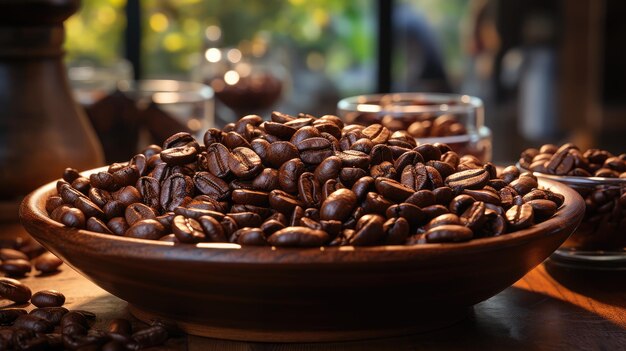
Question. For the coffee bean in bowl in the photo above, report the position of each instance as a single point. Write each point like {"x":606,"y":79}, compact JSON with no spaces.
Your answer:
{"x":599,"y":176}
{"x":278,"y":218}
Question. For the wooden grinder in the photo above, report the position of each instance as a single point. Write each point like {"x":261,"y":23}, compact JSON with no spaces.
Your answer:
{"x":42,"y":130}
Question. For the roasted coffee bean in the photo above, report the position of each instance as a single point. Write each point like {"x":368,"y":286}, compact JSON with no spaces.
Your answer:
{"x":283,"y":202}
{"x":267,"y":180}
{"x":51,"y":315}
{"x":246,"y":219}
{"x":187,"y":230}
{"x":348,"y":176}
{"x":175,"y":191}
{"x":194,"y":213}
{"x":296,"y":236}
{"x":33,"y":323}
{"x":362,"y":186}
{"x":217,"y":160}
{"x":280,"y":152}
{"x":48,"y":263}
{"x":251,"y":197}
{"x":381,"y":153}
{"x":48,"y":298}
{"x":338,"y":205}
{"x":543,"y":209}
{"x":353,"y":158}
{"x":433,"y":211}
{"x":422,"y":198}
{"x":69,"y":194}
{"x":53,"y":202}
{"x":289,"y":174}
{"x":245,"y":163}
{"x":328,"y":169}
{"x":413,"y":214}
{"x":11,"y":254}
{"x":415,"y":176}
{"x":127,"y":195}
{"x":447,"y":218}
{"x":487,"y":194}
{"x":152,"y":336}
{"x":150,"y":190}
{"x":70,"y":174}
{"x":375,"y":203}
{"x":392,"y":189}
{"x":249,"y":236}
{"x":369,"y":231}
{"x":127,"y":175}
{"x":520,"y":216}
{"x":234,"y":140}
{"x":8,"y":315}
{"x":212,"y":229}
{"x":138,"y":211}
{"x":309,"y":190}
{"x":474,"y":217}
{"x":470,"y":179}
{"x":14,"y":290}
{"x":460,"y":203}
{"x":88,"y":208}
{"x":523,"y":185}
{"x":16,"y":267}
{"x":314,"y":150}
{"x":271,"y":226}
{"x":150,"y":229}
{"x":448,"y":233}
{"x":396,"y":230}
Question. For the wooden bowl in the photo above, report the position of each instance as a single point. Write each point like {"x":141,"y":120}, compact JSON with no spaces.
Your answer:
{"x":305,"y":295}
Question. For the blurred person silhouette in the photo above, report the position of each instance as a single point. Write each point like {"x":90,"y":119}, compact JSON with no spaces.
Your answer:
{"x":420,"y":55}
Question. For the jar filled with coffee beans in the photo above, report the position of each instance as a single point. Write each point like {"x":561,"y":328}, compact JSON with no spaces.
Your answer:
{"x":600,"y":178}
{"x":456,"y":120}
{"x":302,"y":181}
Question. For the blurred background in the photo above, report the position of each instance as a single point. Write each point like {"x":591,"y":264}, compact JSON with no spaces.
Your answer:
{"x":547,"y":70}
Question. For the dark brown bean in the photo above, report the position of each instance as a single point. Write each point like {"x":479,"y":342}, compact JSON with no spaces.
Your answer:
{"x":48,"y":298}
{"x":48,"y":263}
{"x":298,"y":237}
{"x":16,"y":267}
{"x":187,"y":230}
{"x":14,"y":290}
{"x":149,"y":229}
{"x":448,"y":233}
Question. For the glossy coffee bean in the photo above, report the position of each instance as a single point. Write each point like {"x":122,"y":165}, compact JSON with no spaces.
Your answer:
{"x":48,"y":298}
{"x":249,"y":236}
{"x":470,"y":179}
{"x":448,"y":233}
{"x":8,"y":315}
{"x":187,"y":230}
{"x":16,"y":267}
{"x":298,"y":237}
{"x":149,"y":229}
{"x":369,"y":231}
{"x":14,"y":290}
{"x":338,"y":205}
{"x":52,"y":315}
{"x":47,"y":263}
{"x":138,"y":211}
{"x":520,"y":216}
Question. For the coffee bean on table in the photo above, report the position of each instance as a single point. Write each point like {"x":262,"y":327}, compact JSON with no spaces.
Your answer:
{"x":14,"y":290}
{"x":48,"y":298}
{"x":11,"y":254}
{"x":47,"y":263}
{"x":16,"y":267}
{"x":52,"y":315}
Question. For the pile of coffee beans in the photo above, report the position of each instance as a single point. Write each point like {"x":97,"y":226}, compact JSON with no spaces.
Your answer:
{"x":300,"y":181}
{"x":418,"y":126}
{"x":50,"y":326}
{"x":604,"y":224}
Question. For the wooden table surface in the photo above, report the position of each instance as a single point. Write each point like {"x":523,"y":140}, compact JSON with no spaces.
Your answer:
{"x":551,"y":308}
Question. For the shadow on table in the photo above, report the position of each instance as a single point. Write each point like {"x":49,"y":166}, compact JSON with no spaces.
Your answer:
{"x":515,"y":319}
{"x":607,"y":286}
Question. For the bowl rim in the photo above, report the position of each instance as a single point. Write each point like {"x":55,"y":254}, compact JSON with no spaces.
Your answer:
{"x":34,"y":217}
{"x":577,"y":180}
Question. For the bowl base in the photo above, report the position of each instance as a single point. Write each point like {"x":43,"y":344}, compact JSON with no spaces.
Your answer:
{"x":421,"y":325}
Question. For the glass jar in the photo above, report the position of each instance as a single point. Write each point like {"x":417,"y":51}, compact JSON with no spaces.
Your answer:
{"x":600,"y":240}
{"x":456,"y":120}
